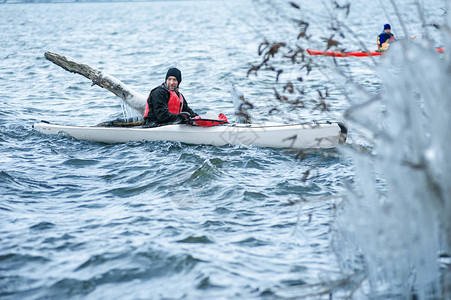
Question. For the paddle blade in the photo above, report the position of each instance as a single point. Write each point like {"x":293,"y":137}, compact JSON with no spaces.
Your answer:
{"x":222,"y":119}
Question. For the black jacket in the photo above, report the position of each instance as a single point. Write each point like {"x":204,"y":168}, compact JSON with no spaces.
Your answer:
{"x":158,"y":107}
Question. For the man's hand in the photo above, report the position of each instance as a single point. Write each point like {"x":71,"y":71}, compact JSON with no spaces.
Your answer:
{"x":183,"y":118}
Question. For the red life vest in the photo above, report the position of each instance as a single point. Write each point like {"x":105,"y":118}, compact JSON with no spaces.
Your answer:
{"x":175,"y":103}
{"x":147,"y":107}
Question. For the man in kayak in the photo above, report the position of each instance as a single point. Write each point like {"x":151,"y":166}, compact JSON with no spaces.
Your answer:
{"x":385,"y":38}
{"x":165,"y":104}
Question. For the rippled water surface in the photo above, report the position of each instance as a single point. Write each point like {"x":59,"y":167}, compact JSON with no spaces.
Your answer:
{"x":154,"y":220}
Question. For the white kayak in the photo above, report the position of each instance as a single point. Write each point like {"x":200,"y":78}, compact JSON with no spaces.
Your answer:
{"x":297,"y":136}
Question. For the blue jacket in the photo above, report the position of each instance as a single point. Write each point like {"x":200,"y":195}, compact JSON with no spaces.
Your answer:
{"x":383,"y":40}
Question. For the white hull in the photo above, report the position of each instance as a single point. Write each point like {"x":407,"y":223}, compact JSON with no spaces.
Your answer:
{"x":298,"y":136}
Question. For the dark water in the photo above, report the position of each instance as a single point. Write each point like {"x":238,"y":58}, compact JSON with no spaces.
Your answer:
{"x":154,"y":220}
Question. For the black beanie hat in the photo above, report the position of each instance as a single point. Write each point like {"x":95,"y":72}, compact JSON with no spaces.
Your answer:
{"x":387,"y":26}
{"x":174,"y":72}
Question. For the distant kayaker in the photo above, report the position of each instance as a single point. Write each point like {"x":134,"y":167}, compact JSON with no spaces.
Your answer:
{"x":165,"y":104}
{"x":385,"y":38}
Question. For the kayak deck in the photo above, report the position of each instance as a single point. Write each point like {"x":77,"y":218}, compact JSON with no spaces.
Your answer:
{"x":299,"y":136}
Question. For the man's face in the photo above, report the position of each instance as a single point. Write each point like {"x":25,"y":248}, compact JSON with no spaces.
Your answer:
{"x":172,"y":83}
{"x":387,"y":30}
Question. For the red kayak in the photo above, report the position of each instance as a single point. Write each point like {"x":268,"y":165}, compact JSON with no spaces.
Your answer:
{"x":343,"y":54}
{"x":353,"y":53}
